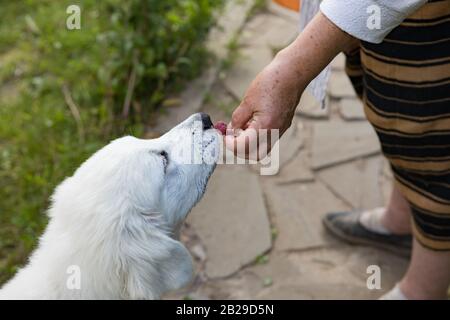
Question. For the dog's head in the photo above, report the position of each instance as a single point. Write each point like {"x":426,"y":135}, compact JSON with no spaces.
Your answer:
{"x":126,"y":203}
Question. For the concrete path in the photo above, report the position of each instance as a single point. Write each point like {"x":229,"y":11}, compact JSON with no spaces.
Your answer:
{"x":259,"y":237}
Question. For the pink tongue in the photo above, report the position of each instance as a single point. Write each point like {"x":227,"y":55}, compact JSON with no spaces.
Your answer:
{"x":222,"y":127}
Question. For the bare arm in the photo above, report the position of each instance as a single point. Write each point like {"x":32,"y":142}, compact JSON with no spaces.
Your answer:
{"x":272,"y":97}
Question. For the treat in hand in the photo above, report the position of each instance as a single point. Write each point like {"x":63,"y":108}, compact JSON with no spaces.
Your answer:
{"x":222,"y":127}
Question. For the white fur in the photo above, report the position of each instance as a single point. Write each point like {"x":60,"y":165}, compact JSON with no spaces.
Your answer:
{"x":117,"y":219}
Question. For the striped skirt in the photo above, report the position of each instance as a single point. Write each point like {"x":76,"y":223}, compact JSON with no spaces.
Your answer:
{"x":404,"y":83}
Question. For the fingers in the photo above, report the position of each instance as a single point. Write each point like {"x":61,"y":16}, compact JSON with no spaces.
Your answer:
{"x":251,"y":143}
{"x":243,"y":144}
{"x":241,"y":116}
{"x":237,"y":139}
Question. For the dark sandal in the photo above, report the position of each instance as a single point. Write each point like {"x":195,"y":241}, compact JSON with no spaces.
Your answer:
{"x":346,"y":226}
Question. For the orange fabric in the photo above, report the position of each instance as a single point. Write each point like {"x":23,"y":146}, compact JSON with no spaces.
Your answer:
{"x":290,"y":4}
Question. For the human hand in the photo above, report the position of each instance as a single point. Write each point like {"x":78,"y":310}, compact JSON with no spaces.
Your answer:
{"x":269,"y":103}
{"x":272,"y":97}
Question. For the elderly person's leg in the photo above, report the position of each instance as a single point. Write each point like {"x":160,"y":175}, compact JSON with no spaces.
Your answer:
{"x":410,"y":117}
{"x":428,"y":275}
{"x":395,"y":218}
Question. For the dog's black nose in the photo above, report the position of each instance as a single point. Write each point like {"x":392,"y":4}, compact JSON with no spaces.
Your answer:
{"x":206,"y":120}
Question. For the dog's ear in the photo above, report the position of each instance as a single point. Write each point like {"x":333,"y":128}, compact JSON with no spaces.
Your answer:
{"x":153,"y":265}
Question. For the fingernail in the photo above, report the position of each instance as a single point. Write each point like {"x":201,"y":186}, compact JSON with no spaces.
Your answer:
{"x":237,"y":132}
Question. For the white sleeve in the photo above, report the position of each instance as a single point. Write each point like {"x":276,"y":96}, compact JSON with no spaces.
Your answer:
{"x":359,"y":17}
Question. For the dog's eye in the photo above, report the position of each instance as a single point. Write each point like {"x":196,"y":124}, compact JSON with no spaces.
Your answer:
{"x":165,"y":157}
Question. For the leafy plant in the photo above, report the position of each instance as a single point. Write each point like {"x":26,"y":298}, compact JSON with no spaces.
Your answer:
{"x":65,"y":93}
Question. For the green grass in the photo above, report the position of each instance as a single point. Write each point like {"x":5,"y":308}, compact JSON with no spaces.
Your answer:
{"x":62,"y":92}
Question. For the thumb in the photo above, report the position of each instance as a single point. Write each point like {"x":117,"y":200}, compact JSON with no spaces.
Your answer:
{"x":241,"y":116}
{"x":244,"y":143}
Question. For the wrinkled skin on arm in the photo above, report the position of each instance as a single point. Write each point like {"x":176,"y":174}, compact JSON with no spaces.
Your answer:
{"x":272,"y":97}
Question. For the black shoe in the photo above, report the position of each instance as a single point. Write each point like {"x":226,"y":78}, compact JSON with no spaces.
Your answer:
{"x":346,"y":226}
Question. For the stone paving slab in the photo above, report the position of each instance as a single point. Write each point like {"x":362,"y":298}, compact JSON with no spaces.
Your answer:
{"x":220,"y":104}
{"x":264,"y":34}
{"x":231,"y":220}
{"x":357,"y":182}
{"x":192,"y":99}
{"x":340,"y":86}
{"x":291,"y":142}
{"x":334,"y":142}
{"x":351,"y":109}
{"x":309,"y":107}
{"x":289,"y":146}
{"x":251,"y":61}
{"x":297,"y":211}
{"x":269,"y":30}
{"x":338,"y":63}
{"x":329,"y":273}
{"x":338,"y":272}
{"x":230,"y":22}
{"x":297,"y":170}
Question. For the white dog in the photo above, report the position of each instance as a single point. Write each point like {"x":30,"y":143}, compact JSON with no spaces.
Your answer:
{"x":114,"y":224}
